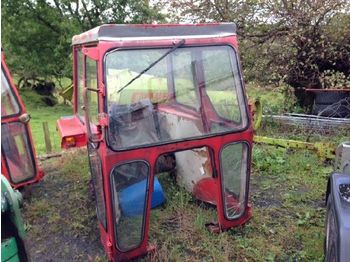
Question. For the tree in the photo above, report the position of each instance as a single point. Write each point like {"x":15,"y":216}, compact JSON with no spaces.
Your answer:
{"x":36,"y":34}
{"x":295,"y":41}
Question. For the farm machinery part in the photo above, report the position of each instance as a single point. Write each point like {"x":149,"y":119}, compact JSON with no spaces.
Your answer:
{"x":18,"y":161}
{"x":323,"y":150}
{"x":12,"y":228}
{"x":333,"y":103}
{"x":310,"y":122}
{"x":154,"y":102}
{"x":67,"y":93}
{"x":337,"y":229}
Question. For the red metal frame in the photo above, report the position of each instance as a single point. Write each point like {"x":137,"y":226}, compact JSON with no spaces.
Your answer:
{"x":150,"y":154}
{"x":71,"y":127}
{"x":16,"y":118}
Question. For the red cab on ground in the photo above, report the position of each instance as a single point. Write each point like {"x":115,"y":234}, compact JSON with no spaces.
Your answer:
{"x":150,"y":99}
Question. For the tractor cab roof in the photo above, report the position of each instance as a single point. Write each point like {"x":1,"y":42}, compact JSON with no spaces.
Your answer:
{"x":120,"y":32}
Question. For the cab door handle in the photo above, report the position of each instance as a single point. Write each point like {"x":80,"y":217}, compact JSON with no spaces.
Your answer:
{"x":24,"y":118}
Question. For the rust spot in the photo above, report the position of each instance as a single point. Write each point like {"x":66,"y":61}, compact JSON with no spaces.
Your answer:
{"x":202,"y":152}
{"x":207,"y":167}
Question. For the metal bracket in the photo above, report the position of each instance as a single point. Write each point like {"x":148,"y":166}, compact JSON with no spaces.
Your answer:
{"x":213,"y":227}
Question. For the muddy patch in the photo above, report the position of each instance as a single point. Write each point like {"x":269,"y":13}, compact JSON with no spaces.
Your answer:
{"x":60,"y":217}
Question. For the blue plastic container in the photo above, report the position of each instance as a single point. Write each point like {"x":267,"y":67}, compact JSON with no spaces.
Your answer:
{"x":132,"y":199}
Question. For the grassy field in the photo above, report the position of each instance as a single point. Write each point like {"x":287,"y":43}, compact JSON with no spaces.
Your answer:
{"x":40,"y":113}
{"x":287,"y":191}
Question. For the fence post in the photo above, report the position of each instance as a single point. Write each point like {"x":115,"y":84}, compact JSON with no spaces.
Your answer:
{"x":47,"y":138}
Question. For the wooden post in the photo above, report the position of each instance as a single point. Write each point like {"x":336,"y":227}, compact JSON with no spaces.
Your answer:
{"x":47,"y":138}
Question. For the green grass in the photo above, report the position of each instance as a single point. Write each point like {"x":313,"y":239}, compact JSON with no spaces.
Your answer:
{"x":59,"y":214}
{"x":40,"y":113}
{"x":275,"y":100}
{"x":287,"y":191}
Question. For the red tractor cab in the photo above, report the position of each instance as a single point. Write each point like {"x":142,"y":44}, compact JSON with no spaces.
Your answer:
{"x":160,"y":98}
{"x":18,"y":161}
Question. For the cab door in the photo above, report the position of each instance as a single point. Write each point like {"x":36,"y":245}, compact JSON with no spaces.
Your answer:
{"x":91,"y":107}
{"x":18,"y":161}
{"x":88,"y":96}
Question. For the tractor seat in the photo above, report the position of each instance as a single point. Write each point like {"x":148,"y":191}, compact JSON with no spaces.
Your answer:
{"x":134,"y":124}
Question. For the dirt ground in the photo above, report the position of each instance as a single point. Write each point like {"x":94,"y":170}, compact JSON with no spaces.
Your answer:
{"x":287,"y":195}
{"x":60,"y":215}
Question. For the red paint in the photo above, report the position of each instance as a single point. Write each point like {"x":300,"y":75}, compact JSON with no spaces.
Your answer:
{"x":206,"y":190}
{"x":150,"y":154}
{"x":91,"y":52}
{"x":69,"y":127}
{"x":6,"y":163}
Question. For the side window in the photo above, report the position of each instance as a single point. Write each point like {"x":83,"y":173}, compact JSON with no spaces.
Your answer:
{"x":234,"y":164}
{"x":185,"y":89}
{"x":9,"y":105}
{"x":129,"y":188}
{"x":80,"y":82}
{"x":97,"y":180}
{"x":91,"y":82}
{"x":16,"y":148}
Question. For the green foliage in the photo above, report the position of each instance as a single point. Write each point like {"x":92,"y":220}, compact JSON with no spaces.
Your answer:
{"x":36,"y":35}
{"x":33,"y":39}
{"x":291,"y":41}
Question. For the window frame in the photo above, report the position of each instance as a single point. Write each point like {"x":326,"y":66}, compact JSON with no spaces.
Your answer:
{"x":241,"y":89}
{"x":31,"y":153}
{"x":20,"y":110}
{"x":111,"y":182}
{"x":102,"y":221}
{"x":79,"y":112}
{"x":96,"y":87}
{"x":246,"y":197}
{"x":78,"y":87}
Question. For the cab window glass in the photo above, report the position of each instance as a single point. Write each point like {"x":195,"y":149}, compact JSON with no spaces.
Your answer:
{"x":16,"y":148}
{"x":123,"y":68}
{"x":219,"y":84}
{"x":80,"y":82}
{"x":234,"y":159}
{"x":129,"y":187}
{"x":9,"y":105}
{"x":205,"y":82}
{"x":91,"y":82}
{"x":185,"y":90}
{"x":97,"y":180}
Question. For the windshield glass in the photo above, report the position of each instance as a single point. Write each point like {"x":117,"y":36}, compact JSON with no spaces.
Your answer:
{"x":190,"y":93}
{"x":9,"y":105}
